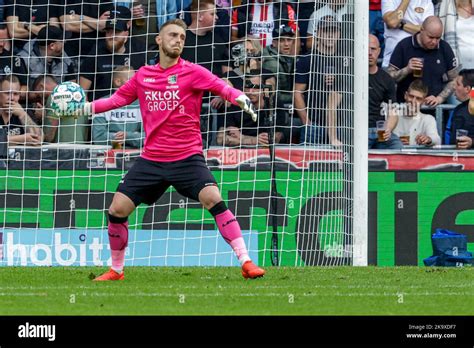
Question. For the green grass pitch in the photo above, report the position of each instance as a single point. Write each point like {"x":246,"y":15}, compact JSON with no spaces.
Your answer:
{"x":223,"y":291}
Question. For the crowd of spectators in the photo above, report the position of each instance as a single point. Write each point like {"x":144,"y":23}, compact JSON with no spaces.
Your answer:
{"x":294,"y":59}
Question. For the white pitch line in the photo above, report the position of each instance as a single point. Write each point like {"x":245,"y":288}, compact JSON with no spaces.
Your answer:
{"x":25,"y":294}
{"x":177,"y":294}
{"x":243,"y":287}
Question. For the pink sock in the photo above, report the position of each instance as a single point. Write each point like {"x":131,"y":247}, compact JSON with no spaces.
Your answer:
{"x":118,"y":259}
{"x":238,"y":245}
{"x":230,"y":231}
{"x":118,"y":239}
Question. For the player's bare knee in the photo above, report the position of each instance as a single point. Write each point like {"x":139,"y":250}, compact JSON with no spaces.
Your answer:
{"x":212,"y":203}
{"x":117,"y":212}
{"x":209,"y":197}
{"x":121,"y":206}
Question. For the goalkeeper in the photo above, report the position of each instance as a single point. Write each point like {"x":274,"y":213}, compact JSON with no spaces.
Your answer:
{"x":170,"y":96}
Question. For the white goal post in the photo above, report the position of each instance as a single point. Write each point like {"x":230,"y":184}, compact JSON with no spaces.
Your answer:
{"x":361,"y":96}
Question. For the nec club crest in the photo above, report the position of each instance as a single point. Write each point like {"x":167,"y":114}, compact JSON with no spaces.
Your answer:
{"x":172,"y":79}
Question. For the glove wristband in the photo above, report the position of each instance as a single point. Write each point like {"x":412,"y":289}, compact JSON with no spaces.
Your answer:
{"x":87,"y":108}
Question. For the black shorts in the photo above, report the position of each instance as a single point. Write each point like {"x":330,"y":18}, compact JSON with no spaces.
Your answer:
{"x":147,"y":180}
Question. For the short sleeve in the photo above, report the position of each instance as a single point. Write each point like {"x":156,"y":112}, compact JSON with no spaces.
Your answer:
{"x":9,"y":8}
{"x":451,"y":60}
{"x":311,"y":25}
{"x":429,"y":9}
{"x":397,"y":59}
{"x":302,"y":70}
{"x":88,"y":68}
{"x":19,"y":69}
{"x":56,"y":10}
{"x":391,"y":88}
{"x":389,"y":5}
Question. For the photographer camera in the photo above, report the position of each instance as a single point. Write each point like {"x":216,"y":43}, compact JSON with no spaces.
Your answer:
{"x":279,"y":58}
{"x":239,"y":129}
{"x":247,"y":57}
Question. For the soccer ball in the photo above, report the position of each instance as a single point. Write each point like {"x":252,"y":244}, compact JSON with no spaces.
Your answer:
{"x":67,"y":98}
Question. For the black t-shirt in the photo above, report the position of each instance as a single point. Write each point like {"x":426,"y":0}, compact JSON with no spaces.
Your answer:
{"x":462,"y":119}
{"x":14,"y":126}
{"x":208,"y":51}
{"x":10,"y":64}
{"x":80,"y":43}
{"x":32,"y":11}
{"x":436,"y":65}
{"x":222,"y":27}
{"x":312,"y":70}
{"x":237,"y":80}
{"x":242,"y":120}
{"x":382,"y":89}
{"x":99,"y":69}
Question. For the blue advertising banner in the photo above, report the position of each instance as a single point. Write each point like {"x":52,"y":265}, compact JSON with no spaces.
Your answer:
{"x":81,"y":247}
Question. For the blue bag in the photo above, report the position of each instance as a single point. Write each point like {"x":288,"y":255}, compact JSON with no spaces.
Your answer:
{"x":449,"y":250}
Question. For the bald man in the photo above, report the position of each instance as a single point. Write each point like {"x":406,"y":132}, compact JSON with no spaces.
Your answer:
{"x":425,"y":51}
{"x":402,"y":18}
{"x":381,"y":95}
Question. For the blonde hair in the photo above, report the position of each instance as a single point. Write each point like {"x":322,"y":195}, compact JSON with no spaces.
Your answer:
{"x":255,"y":42}
{"x":176,"y":21}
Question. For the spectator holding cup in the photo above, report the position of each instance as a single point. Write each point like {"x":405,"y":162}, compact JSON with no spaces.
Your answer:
{"x":461,"y":119}
{"x":418,"y":67}
{"x":463,"y":141}
{"x":402,"y":18}
{"x":381,"y":96}
{"x":414,"y":127}
{"x":426,"y":56}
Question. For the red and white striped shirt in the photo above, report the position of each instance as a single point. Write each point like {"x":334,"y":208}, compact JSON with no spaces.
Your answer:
{"x":262,"y":21}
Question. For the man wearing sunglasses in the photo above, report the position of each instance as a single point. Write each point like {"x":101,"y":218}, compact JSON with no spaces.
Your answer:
{"x":239,"y":128}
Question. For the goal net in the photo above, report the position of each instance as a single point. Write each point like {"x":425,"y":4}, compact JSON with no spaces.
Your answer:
{"x":295,"y":179}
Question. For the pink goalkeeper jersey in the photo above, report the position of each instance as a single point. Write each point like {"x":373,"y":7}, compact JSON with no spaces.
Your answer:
{"x":170,"y":102}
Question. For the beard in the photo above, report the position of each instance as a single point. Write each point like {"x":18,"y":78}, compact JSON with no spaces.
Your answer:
{"x":171,"y":53}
